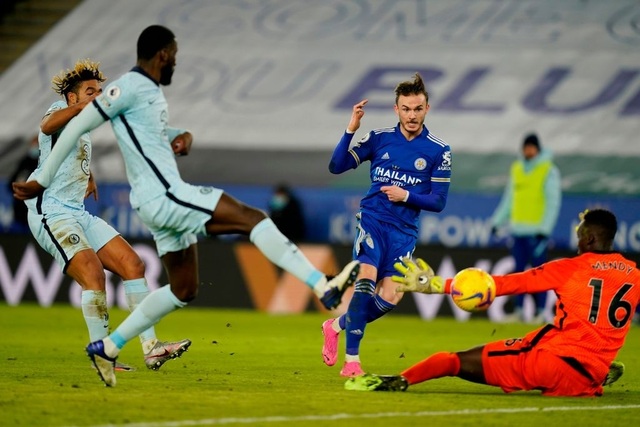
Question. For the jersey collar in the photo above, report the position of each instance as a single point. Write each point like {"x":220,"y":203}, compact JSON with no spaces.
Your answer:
{"x":144,"y":73}
{"x":423,"y":134}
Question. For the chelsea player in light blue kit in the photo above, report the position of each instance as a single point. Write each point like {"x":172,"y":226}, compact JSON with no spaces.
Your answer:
{"x":174,"y":211}
{"x":83,"y":244}
{"x":410,"y":171}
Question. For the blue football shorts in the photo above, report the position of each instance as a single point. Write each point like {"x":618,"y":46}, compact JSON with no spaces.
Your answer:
{"x":381,"y":244}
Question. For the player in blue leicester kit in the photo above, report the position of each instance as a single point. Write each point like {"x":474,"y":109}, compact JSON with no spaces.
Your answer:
{"x":174,"y":211}
{"x":410,"y":171}
{"x":83,"y":244}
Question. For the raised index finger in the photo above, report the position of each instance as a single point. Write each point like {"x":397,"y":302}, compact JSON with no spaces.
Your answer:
{"x":361,"y":103}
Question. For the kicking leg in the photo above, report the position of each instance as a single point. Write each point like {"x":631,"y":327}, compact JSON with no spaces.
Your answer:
{"x":232,"y":216}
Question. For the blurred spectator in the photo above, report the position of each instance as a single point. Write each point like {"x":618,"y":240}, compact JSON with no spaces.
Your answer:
{"x":286,"y":212}
{"x":530,"y":205}
{"x":7,"y":7}
{"x":26,"y":166}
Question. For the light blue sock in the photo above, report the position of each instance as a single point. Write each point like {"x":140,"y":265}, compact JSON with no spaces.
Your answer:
{"x":135,"y":291}
{"x":283,"y":253}
{"x":96,"y":314}
{"x":154,"y":307}
{"x":356,"y":317}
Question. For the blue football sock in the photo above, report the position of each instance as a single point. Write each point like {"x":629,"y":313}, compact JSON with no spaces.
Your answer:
{"x":356,"y":317}
{"x":135,"y":291}
{"x":150,"y":310}
{"x":377,"y":308}
{"x":283,"y":253}
{"x":518,"y":302}
{"x":342,"y":322}
{"x":96,"y":314}
{"x":541,"y":301}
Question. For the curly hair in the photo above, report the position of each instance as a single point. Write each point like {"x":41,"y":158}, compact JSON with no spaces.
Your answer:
{"x":415,"y":87}
{"x":70,"y":80}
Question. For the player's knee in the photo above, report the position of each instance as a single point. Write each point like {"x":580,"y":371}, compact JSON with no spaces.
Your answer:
{"x":192,"y":294}
{"x":471,"y":368}
{"x":93,"y":279}
{"x":251,"y":217}
{"x":185,"y":292}
{"x":254,"y":216}
{"x":135,"y":268}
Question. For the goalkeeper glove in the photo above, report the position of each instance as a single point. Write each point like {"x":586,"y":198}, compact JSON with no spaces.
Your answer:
{"x":417,"y":276}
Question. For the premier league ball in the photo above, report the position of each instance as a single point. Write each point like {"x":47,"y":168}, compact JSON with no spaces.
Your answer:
{"x":473,"y":289}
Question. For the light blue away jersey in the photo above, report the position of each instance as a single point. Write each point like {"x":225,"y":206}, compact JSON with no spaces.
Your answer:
{"x":69,"y":184}
{"x":422,"y":166}
{"x":137,"y":109}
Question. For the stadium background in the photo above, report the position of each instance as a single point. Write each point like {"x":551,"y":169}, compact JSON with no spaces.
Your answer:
{"x":267,"y":88}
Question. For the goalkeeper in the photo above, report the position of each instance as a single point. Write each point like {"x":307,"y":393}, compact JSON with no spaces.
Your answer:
{"x":598,"y":291}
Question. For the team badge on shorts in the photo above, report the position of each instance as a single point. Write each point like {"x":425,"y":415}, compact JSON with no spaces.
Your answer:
{"x":206,"y":190}
{"x":74,"y":239}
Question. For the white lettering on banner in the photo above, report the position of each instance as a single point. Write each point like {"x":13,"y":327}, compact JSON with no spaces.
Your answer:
{"x":6,"y":216}
{"x":29,"y":270}
{"x":429,"y":305}
{"x":125,"y":220}
{"x":342,"y":228}
{"x":627,"y":237}
{"x":115,"y":292}
{"x":453,"y":230}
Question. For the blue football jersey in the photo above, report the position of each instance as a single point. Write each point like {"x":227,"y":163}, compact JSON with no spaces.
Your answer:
{"x":137,"y":109}
{"x":69,"y":184}
{"x":422,"y":166}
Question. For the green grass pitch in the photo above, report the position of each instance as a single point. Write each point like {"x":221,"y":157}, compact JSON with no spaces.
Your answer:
{"x":249,"y":368}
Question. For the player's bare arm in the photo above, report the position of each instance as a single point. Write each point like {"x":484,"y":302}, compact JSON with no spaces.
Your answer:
{"x":395,"y":193}
{"x":56,"y":120}
{"x":181,"y":144}
{"x":92,"y":188}
{"x":356,"y":116}
{"x":27,"y":190}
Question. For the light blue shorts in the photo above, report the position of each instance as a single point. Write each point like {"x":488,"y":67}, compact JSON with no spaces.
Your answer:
{"x":176,"y":218}
{"x":64,"y":234}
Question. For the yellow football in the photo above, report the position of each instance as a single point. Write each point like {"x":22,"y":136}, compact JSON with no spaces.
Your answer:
{"x":473,"y":289}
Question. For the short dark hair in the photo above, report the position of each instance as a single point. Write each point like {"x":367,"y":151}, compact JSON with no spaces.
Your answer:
{"x":531,"y":139}
{"x":153,"y":39}
{"x":414,"y":87}
{"x":602,"y":222}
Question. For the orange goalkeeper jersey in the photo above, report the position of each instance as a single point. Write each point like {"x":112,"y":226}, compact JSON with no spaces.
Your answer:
{"x":597,"y":296}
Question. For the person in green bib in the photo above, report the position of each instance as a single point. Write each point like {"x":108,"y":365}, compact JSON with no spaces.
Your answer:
{"x":530,"y":206}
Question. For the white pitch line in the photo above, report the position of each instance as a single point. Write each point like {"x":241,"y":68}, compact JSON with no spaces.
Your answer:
{"x":273,"y":419}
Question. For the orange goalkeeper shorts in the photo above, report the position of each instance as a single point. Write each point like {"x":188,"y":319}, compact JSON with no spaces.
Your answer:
{"x":517,"y":364}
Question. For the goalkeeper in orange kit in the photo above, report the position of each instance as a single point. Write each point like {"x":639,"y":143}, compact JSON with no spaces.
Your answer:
{"x":598,"y":292}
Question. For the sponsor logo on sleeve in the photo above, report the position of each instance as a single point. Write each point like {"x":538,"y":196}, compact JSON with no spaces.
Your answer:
{"x":446,"y":161}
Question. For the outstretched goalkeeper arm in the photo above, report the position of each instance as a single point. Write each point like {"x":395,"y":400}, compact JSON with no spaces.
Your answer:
{"x":418,"y":276}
